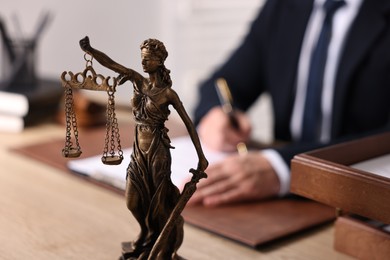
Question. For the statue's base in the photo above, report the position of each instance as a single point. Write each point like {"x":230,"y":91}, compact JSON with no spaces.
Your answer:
{"x":128,"y":252}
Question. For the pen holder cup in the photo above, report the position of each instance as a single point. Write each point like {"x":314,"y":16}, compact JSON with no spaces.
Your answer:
{"x":18,"y":70}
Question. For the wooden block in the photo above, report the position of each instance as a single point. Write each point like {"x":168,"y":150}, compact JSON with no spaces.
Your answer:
{"x":325,"y":176}
{"x":358,"y":239}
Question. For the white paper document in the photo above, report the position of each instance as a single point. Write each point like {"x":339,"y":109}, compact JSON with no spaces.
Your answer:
{"x":184,"y":157}
{"x":379,"y":165}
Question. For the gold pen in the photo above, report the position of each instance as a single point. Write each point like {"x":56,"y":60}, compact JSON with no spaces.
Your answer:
{"x":226,"y":99}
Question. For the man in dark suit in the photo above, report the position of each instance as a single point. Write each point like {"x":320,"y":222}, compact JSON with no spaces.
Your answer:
{"x":275,"y":58}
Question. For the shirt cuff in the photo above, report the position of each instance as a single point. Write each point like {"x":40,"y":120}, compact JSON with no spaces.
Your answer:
{"x":281,"y":169}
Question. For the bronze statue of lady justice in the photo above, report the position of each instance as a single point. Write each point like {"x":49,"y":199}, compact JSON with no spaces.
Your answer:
{"x":152,"y":198}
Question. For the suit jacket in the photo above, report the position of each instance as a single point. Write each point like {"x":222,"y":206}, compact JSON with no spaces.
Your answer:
{"x":267,"y":61}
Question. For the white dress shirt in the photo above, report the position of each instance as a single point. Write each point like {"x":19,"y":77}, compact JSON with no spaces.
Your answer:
{"x":342,"y":21}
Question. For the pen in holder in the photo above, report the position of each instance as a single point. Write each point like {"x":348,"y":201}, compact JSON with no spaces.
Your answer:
{"x":19,"y":65}
{"x":18,"y":68}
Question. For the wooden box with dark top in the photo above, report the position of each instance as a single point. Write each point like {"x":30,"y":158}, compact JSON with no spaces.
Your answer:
{"x":325,"y":175}
{"x":361,"y":239}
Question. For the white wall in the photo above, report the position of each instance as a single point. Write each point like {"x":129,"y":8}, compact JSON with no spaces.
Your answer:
{"x":198,"y":34}
{"x":117,"y":27}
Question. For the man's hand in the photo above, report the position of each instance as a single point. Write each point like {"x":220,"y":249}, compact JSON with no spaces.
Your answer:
{"x":217,"y":133}
{"x":238,"y":178}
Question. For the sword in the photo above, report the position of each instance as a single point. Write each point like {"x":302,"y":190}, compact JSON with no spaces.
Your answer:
{"x":186,"y":194}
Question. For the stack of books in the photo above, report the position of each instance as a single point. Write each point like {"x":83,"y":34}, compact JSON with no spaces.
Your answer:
{"x":23,"y":107}
{"x":13,"y":108}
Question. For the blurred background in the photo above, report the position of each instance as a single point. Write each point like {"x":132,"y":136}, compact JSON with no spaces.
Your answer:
{"x":198,"y":34}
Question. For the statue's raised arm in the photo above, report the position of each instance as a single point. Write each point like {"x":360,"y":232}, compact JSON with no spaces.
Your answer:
{"x":124,"y":73}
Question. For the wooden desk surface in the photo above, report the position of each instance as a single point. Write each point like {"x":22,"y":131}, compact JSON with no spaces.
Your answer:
{"x":46,"y":214}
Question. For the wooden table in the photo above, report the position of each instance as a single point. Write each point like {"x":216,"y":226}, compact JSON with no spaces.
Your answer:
{"x":46,"y":214}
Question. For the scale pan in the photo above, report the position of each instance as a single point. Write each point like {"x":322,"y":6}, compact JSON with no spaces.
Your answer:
{"x":71,"y":152}
{"x":112,"y":160}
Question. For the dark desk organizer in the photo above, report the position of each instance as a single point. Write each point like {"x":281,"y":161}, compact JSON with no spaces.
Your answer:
{"x":19,"y":72}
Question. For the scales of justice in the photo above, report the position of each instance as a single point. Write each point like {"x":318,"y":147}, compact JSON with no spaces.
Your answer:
{"x":152,"y":198}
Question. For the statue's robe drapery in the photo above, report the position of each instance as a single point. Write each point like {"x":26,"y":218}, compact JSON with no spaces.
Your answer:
{"x":150,"y":167}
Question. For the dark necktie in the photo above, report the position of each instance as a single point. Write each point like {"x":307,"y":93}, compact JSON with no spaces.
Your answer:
{"x":312,"y":113}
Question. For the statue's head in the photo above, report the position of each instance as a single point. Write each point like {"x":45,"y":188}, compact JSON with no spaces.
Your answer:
{"x":156,"y":48}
